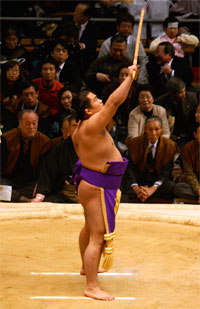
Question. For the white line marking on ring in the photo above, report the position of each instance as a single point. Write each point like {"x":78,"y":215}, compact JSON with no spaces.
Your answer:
{"x":78,"y":274}
{"x":76,"y":298}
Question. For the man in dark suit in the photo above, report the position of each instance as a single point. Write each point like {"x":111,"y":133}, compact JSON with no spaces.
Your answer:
{"x":164,"y":65}
{"x":68,"y":73}
{"x":150,"y":165}
{"x":87,"y":34}
{"x":180,"y":106}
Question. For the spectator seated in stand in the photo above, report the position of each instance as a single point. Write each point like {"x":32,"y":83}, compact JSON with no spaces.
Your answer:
{"x":175,"y":37}
{"x":66,"y":98}
{"x":11,"y":80}
{"x":164,"y":65}
{"x":11,"y":48}
{"x":180,"y":106}
{"x":23,"y":149}
{"x":146,"y":109}
{"x":189,"y":191}
{"x":105,"y":70}
{"x":55,"y":179}
{"x":68,"y":73}
{"x":29,"y":100}
{"x":48,"y":86}
{"x":124,"y":25}
{"x":148,"y":174}
{"x":87,"y":37}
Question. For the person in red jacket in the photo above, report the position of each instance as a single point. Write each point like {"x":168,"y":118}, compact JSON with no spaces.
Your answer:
{"x":48,"y":86}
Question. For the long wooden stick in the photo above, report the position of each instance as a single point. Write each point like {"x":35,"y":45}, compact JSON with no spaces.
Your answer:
{"x":137,"y":44}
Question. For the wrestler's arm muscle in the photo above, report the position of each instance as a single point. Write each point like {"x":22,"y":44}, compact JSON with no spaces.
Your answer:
{"x":100,"y":120}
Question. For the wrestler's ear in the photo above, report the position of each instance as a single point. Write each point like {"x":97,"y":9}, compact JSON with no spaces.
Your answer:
{"x":88,"y":111}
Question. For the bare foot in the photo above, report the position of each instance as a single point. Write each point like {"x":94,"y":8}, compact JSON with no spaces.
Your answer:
{"x":97,"y":293}
{"x":100,"y":270}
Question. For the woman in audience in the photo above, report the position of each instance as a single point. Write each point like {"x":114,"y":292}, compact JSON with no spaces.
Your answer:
{"x":11,"y":79}
{"x":66,"y":97}
{"x":144,"y":110}
{"x":11,"y":48}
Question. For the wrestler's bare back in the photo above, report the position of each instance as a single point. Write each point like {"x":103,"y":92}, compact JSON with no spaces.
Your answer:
{"x":94,"y":150}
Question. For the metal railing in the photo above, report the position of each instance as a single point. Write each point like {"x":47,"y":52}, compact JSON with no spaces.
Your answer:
{"x":57,"y":19}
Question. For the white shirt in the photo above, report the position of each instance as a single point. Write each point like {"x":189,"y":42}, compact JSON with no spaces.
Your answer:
{"x":60,"y":69}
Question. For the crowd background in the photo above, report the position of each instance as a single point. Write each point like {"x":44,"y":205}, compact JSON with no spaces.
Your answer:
{"x":44,"y":65}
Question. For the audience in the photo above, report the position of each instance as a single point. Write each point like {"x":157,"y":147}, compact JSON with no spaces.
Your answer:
{"x":180,"y":106}
{"x":190,"y":189}
{"x":68,"y":61}
{"x":164,"y":65}
{"x":66,"y":98}
{"x":29,"y":100}
{"x":24,"y":147}
{"x":174,"y":36}
{"x":55,"y":179}
{"x":11,"y":48}
{"x":68,"y":73}
{"x":104,"y":70}
{"x":11,"y":80}
{"x":150,"y":164}
{"x":146,"y":109}
{"x":124,"y":25}
{"x":87,"y":34}
{"x":48,"y":86}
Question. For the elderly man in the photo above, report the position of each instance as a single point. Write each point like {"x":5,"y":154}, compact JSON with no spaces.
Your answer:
{"x":150,"y":166}
{"x":55,"y":179}
{"x":180,"y":106}
{"x":24,"y":147}
{"x":29,"y":100}
{"x":124,"y":25}
{"x":164,"y":65}
{"x":104,"y":70}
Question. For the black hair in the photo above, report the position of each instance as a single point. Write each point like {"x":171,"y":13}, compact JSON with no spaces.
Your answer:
{"x":82,"y":102}
{"x":118,"y":38}
{"x":11,"y":30}
{"x":70,"y":118}
{"x":169,"y":48}
{"x":68,"y":29}
{"x":143,"y":87}
{"x":61,"y":42}
{"x":169,"y":19}
{"x":52,"y":61}
{"x":126,"y":17}
{"x":28,"y":84}
{"x":67,"y":88}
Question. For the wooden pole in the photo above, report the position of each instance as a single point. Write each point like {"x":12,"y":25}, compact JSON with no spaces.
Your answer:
{"x":137,"y":45}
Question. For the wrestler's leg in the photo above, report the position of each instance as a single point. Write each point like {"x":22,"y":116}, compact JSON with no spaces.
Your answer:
{"x":89,"y":197}
{"x":83,"y":243}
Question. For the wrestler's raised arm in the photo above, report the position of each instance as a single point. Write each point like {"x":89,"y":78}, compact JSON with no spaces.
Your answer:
{"x":100,"y":120}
